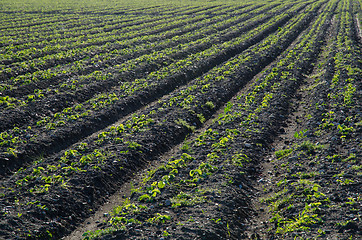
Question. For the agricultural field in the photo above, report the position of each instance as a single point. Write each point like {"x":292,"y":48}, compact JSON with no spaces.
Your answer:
{"x":180,"y":119}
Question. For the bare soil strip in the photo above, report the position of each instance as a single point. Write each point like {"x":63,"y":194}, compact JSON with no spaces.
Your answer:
{"x":359,"y":29}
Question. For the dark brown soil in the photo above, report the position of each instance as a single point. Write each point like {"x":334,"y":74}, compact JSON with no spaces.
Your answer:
{"x":271,"y":151}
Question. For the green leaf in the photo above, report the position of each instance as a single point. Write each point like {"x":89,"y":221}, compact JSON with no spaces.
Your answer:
{"x":161,"y":184}
{"x":193,"y":172}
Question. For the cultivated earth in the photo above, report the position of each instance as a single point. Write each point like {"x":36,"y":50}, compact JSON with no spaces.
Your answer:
{"x":180,"y":119}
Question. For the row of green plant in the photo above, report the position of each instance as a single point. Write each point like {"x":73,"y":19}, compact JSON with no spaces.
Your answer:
{"x":116,"y":52}
{"x":80,"y":66}
{"x":266,"y":87}
{"x":187,"y":178}
{"x":157,"y":56}
{"x":74,"y":27}
{"x":96,"y":42}
{"x":157,"y":182}
{"x":341,"y":80}
{"x":81,"y":110}
{"x":301,"y":198}
{"x":197,"y":172}
{"x":201,"y":87}
{"x":71,"y":21}
{"x":208,"y":83}
{"x":95,"y":160}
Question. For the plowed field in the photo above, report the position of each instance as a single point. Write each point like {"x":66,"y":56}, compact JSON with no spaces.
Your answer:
{"x":181,"y":120}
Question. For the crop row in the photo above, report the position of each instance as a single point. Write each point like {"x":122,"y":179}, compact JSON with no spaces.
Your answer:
{"x":128,"y":69}
{"x":328,"y":141}
{"x":52,"y":55}
{"x":68,"y":27}
{"x":108,"y":24}
{"x":195,"y":178}
{"x":143,"y":136}
{"x":80,"y":37}
{"x":106,"y":55}
{"x":41,"y":20}
{"x":71,"y":23}
{"x":96,"y":54}
{"x":118,"y":101}
{"x":59,"y":35}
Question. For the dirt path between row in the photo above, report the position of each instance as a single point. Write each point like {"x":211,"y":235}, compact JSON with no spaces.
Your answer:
{"x":268,"y":166}
{"x":101,"y":215}
{"x":338,"y":216}
{"x":359,"y":29}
